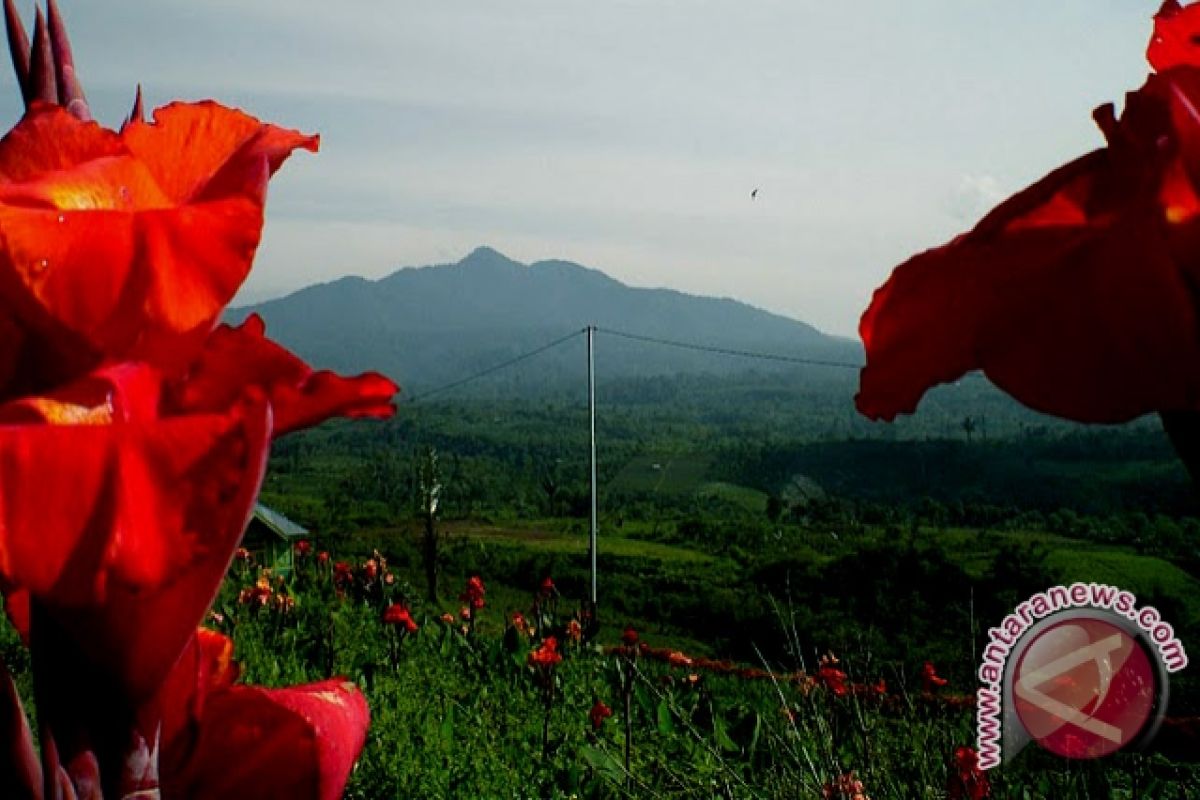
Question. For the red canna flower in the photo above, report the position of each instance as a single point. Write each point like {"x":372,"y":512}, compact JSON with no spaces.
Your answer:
{"x":598,"y":714}
{"x":930,"y":680}
{"x":629,"y":637}
{"x":546,"y":656}
{"x":1075,"y":295}
{"x":574,"y":630}
{"x":130,"y":459}
{"x":547,"y":588}
{"x":398,"y":614}
{"x":371,"y":570}
{"x":223,"y":739}
{"x":303,"y":548}
{"x":473,"y":593}
{"x":833,"y":679}
{"x":967,"y":781}
{"x":323,"y":557}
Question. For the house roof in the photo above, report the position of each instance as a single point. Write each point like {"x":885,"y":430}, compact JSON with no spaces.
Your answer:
{"x":277,"y":522}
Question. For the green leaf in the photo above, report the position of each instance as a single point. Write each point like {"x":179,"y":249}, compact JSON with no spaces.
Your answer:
{"x":604,"y":763}
{"x":666,"y":726}
{"x":446,"y":729}
{"x":722,"y":735}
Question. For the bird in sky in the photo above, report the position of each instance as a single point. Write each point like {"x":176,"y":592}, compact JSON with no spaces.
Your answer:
{"x":754,"y":194}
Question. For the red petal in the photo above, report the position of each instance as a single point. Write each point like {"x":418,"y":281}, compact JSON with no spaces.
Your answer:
{"x":130,"y":249}
{"x":206,"y":149}
{"x":1174,"y":41}
{"x":1072,"y":296}
{"x":299,"y":742}
{"x":126,"y":546}
{"x":238,"y":357}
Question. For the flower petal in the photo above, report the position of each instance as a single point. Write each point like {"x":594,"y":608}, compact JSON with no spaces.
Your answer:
{"x":136,"y":529}
{"x":299,"y":742}
{"x":1075,"y":296}
{"x":1174,"y":41}
{"x":234,"y":358}
{"x":206,"y":149}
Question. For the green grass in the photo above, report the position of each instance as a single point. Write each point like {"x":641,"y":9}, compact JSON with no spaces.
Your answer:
{"x":663,"y":473}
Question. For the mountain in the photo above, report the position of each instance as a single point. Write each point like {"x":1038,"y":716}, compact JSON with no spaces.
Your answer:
{"x":428,"y":326}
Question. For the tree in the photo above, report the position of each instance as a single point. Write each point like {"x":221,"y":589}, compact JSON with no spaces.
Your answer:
{"x":429,"y":491}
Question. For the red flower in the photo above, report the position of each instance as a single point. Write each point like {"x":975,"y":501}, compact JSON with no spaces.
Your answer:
{"x":234,"y":358}
{"x":130,"y":456}
{"x":844,"y":787}
{"x":629,"y":637}
{"x":546,"y":656}
{"x":599,"y":713}
{"x":930,"y":680}
{"x":833,"y":679}
{"x":473,"y":593}
{"x":303,"y":548}
{"x":126,"y":245}
{"x":323,"y":557}
{"x":371,"y":569}
{"x":574,"y":630}
{"x":967,"y":781}
{"x":398,"y":614}
{"x":1075,"y":295}
{"x":222,"y":739}
{"x":547,"y":588}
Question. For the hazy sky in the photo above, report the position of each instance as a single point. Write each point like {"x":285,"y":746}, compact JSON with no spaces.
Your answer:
{"x":627,"y":135}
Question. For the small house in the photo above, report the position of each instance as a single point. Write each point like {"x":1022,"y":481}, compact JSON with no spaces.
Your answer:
{"x":271,"y":539}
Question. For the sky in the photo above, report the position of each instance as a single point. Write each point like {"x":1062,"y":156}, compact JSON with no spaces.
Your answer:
{"x":627,"y":135}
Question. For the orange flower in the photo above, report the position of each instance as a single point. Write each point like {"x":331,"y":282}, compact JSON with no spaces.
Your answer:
{"x":546,"y":656}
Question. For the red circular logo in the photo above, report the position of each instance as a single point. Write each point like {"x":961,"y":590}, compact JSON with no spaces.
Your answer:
{"x":1084,"y":688}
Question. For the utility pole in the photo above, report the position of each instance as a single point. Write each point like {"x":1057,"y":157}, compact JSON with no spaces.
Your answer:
{"x":591,"y":329}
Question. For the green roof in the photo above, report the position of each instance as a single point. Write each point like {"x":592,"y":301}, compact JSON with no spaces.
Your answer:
{"x":278,"y":522}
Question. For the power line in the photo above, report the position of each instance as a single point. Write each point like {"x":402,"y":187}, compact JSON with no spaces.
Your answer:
{"x":816,"y":362}
{"x":496,"y":368}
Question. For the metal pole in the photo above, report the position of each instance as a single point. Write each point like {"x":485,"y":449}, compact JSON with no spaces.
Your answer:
{"x":592,"y":422}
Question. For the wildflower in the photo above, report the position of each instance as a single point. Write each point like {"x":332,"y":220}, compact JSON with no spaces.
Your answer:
{"x":845,"y":787}
{"x":371,"y":570}
{"x":574,"y":630}
{"x":242,"y":554}
{"x":546,"y":656}
{"x":930,"y":680}
{"x":832,"y":679}
{"x":547,"y":589}
{"x":303,"y":548}
{"x":598,"y":714}
{"x":398,"y":614}
{"x":629,"y":637}
{"x":518,"y":621}
{"x":448,"y":618}
{"x":465,"y":612}
{"x":967,"y":781}
{"x":323,"y":557}
{"x":389,"y":578}
{"x":473,"y":593}
{"x":678,"y":659}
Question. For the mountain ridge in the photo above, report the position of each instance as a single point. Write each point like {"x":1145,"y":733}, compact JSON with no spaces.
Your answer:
{"x":427,"y":325}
